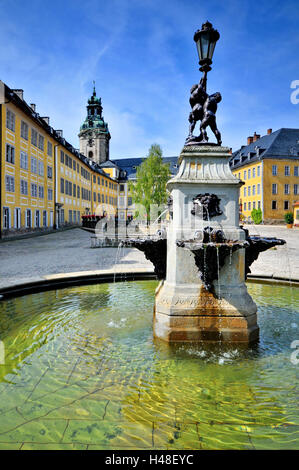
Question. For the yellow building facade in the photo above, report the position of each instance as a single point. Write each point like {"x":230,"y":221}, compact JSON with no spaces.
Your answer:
{"x":269,"y":168}
{"x":45,"y":182}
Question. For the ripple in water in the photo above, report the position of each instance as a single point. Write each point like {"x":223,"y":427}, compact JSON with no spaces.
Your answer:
{"x":82,"y":369}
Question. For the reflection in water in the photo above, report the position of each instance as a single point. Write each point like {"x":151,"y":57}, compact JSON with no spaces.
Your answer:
{"x":82,"y":369}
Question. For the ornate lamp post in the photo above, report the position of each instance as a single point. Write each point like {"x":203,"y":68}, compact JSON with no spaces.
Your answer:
{"x":204,"y":106}
{"x":206,"y":39}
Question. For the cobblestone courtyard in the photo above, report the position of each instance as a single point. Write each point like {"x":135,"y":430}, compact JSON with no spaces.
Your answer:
{"x":69,"y":251}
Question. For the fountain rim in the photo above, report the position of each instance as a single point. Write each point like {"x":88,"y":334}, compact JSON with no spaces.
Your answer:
{"x":65,"y":280}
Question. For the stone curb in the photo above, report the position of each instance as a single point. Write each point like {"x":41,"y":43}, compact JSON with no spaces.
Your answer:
{"x":62,"y":280}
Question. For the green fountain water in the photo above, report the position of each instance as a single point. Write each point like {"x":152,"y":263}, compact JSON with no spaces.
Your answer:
{"x":82,"y":371}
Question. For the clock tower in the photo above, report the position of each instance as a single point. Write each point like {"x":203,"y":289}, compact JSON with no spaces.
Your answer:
{"x":94,"y":134}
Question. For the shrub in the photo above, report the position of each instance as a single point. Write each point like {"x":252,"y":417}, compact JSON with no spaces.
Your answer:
{"x":257,"y":216}
{"x":288,"y":217}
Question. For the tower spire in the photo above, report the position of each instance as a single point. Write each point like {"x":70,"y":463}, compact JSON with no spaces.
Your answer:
{"x":94,"y":134}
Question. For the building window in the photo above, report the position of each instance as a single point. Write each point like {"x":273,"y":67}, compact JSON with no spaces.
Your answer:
{"x":62,"y":216}
{"x":34,"y":137}
{"x":253,"y":172}
{"x":50,"y":149}
{"x":274,"y":188}
{"x":296,"y":172}
{"x":130,"y":201}
{"x":245,"y":174}
{"x":10,"y":183}
{"x":249,"y":174}
{"x":274,"y":205}
{"x":61,"y":156}
{"x":287,"y":189}
{"x":295,"y":188}
{"x":258,"y":188}
{"x":94,"y":197}
{"x":99,"y":181}
{"x":244,"y":206}
{"x":78,"y":192}
{"x":74,"y":190}
{"x":61,"y":185}
{"x":245,"y":191}
{"x":249,"y":191}
{"x":40,"y":168}
{"x":6,"y":218}
{"x":33,"y":165}
{"x":274,"y":170}
{"x":50,"y":194}
{"x":28,"y":218}
{"x":24,"y":160}
{"x":78,"y":168}
{"x":103,"y":199}
{"x":74,"y":165}
{"x":10,"y":120}
{"x":10,"y":153}
{"x":258,"y":204}
{"x":287,"y":170}
{"x":94,"y":179}
{"x":41,"y":142}
{"x":70,"y":217}
{"x":253,"y":205}
{"x":24,"y":130}
{"x":24,"y":188}
{"x":121,"y":201}
{"x":41,"y":192}
{"x":33,"y":190}
{"x":45,"y":218}
{"x":285,"y":205}
{"x":37,"y":219}
{"x":249,"y":206}
{"x":49,"y":172}
{"x":259,"y":171}
{"x":253,"y":190}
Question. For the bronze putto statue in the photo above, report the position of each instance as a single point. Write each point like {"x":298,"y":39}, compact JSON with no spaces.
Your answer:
{"x":203,"y":105}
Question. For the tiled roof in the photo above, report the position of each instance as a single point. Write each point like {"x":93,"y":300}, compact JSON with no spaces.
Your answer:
{"x":129,"y":165}
{"x":281,"y":144}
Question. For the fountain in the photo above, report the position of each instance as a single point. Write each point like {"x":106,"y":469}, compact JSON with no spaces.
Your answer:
{"x":204,"y":262}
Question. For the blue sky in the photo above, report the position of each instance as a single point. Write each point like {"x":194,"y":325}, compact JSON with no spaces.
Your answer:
{"x":143,"y":58}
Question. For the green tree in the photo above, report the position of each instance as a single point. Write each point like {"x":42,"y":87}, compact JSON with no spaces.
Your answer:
{"x":257,"y":216}
{"x":151,"y":178}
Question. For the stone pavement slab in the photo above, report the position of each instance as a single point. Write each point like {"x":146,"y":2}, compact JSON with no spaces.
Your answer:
{"x":39,"y":258}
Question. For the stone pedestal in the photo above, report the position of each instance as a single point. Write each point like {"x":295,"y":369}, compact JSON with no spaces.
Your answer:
{"x":184,"y":309}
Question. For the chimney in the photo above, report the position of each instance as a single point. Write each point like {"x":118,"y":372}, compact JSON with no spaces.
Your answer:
{"x":59,"y":132}
{"x":19,"y":92}
{"x":269,"y":131}
{"x":46,"y":119}
{"x":33,"y":106}
{"x":249,"y":140}
{"x":256,"y":137}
